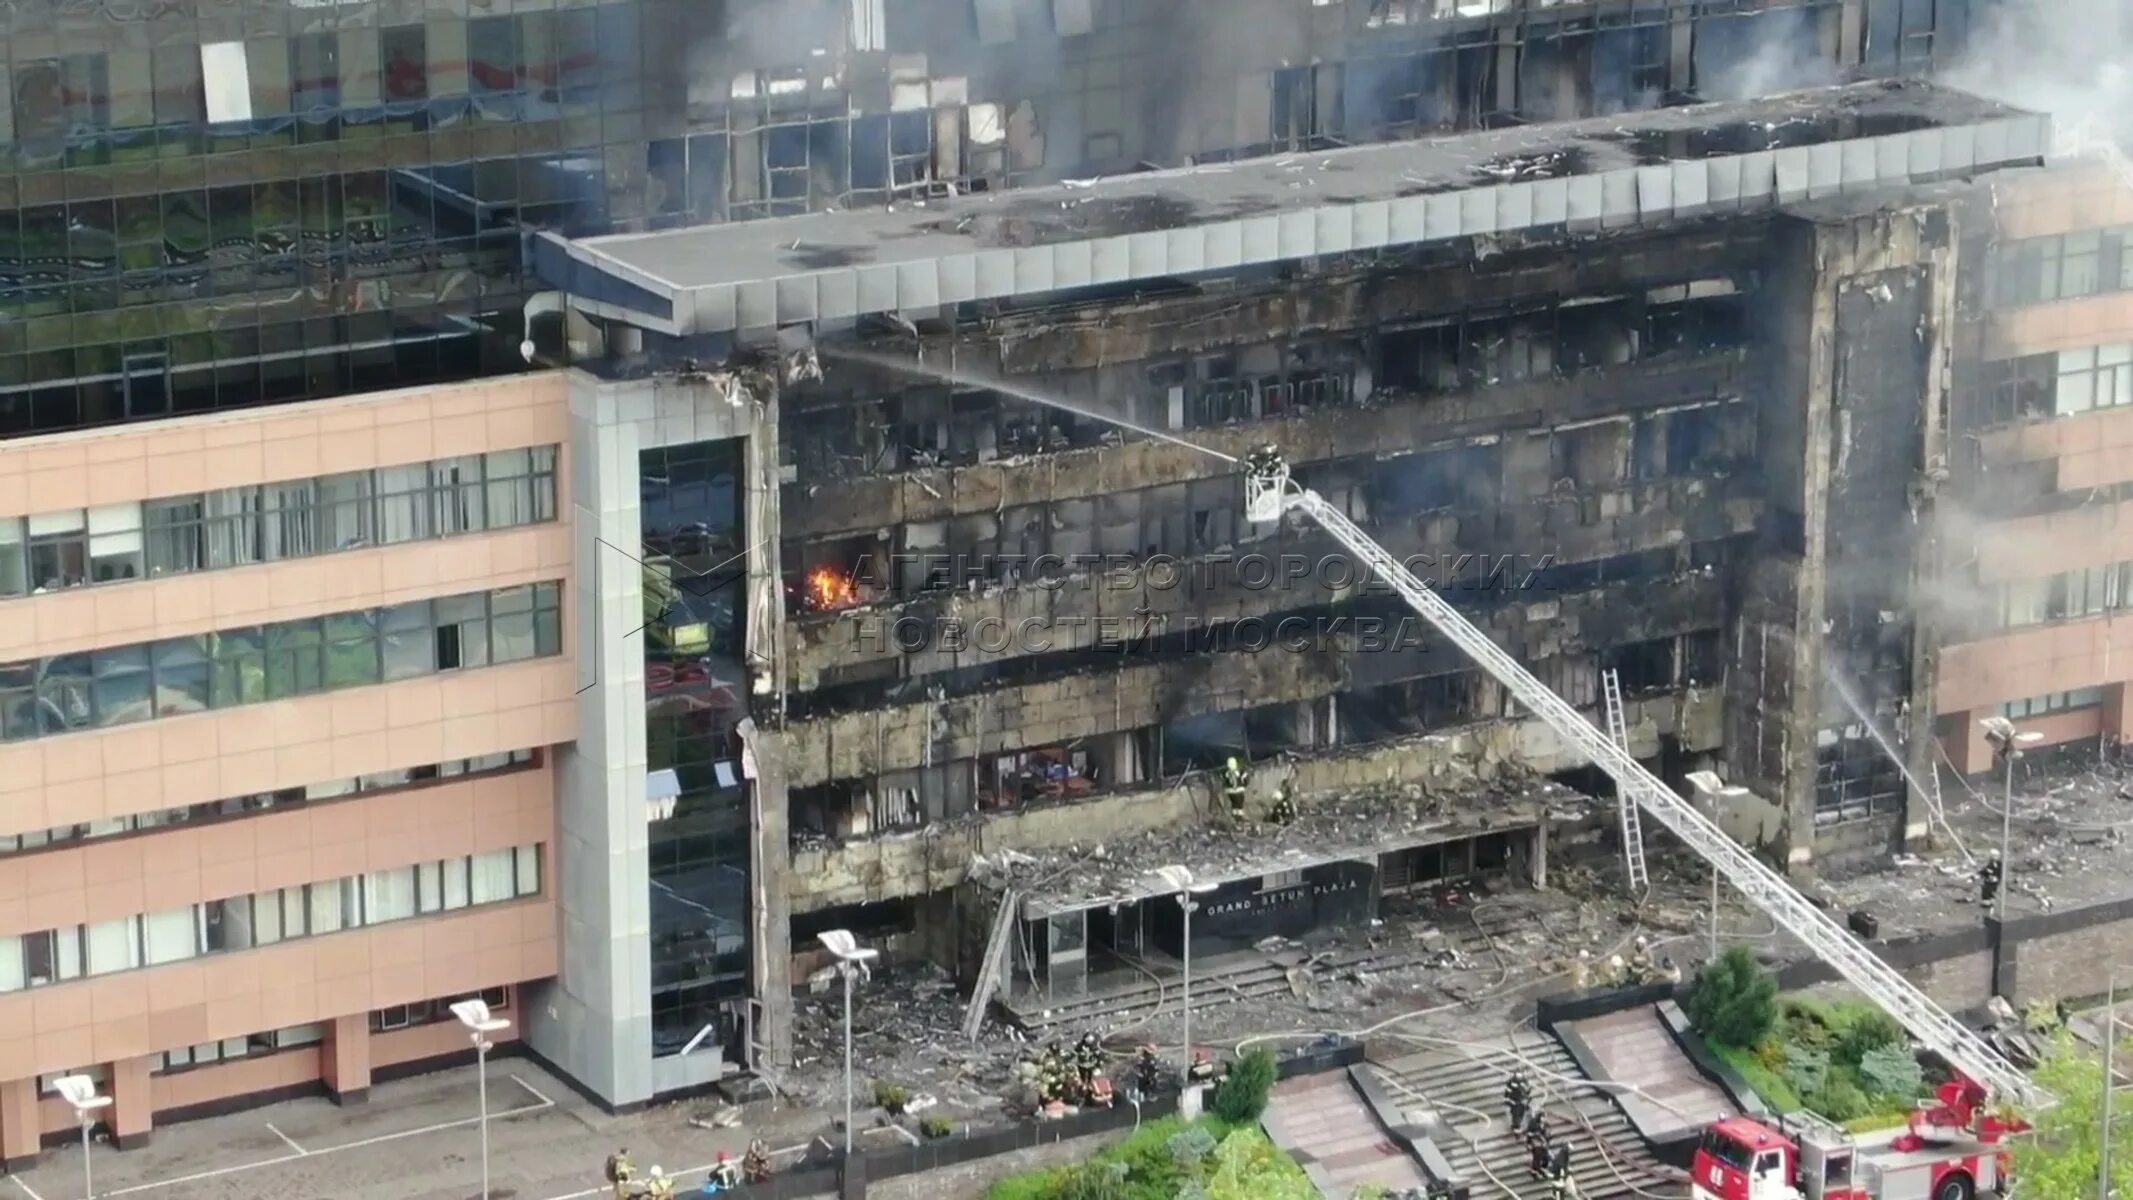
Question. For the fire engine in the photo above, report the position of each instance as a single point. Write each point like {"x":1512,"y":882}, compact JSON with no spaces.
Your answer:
{"x":1951,"y":1150}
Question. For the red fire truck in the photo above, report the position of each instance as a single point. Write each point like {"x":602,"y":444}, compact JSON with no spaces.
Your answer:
{"x":1952,"y":1150}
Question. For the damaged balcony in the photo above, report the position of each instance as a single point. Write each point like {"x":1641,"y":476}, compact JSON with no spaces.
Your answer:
{"x":1447,"y":763}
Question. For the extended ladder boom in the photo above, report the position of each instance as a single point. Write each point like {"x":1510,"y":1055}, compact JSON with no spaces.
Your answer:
{"x":1768,"y":890}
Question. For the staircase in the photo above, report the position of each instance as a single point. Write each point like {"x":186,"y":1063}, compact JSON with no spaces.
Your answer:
{"x":994,"y":965}
{"x":1607,"y":1158}
{"x":1632,"y":826}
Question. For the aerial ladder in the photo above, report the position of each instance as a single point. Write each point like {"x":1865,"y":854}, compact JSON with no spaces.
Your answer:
{"x":1269,"y":493}
{"x":1625,"y":808}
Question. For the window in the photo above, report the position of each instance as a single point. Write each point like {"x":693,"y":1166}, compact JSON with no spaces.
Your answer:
{"x":410,"y":647}
{"x":494,"y":877}
{"x":294,"y":664}
{"x":2097,"y":377}
{"x":115,"y":542}
{"x":529,"y":872}
{"x":456,"y":495}
{"x":122,"y":685}
{"x":462,"y":627}
{"x":511,"y":625}
{"x":59,"y":550}
{"x":547,"y":619}
{"x":521,"y":486}
{"x":388,"y":895}
{"x":112,"y":946}
{"x":170,"y":935}
{"x":181,"y":676}
{"x":14,"y":565}
{"x":175,"y":540}
{"x":240,"y":668}
{"x":2037,"y":706}
{"x":288,"y":520}
{"x":403,"y":503}
{"x":232,"y":526}
{"x":352,"y":649}
{"x":347,"y":512}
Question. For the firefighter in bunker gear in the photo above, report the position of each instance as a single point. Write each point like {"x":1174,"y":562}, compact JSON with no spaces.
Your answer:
{"x":1235,"y":777}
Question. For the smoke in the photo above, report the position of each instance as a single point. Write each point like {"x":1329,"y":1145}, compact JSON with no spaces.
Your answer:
{"x":2063,"y":57}
{"x":1745,"y":58}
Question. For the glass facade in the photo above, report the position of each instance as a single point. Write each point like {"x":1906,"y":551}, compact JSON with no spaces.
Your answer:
{"x":696,"y":688}
{"x":237,"y":202}
{"x":119,"y":685}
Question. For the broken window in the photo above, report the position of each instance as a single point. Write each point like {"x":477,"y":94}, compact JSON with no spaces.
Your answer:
{"x":1047,"y":773}
{"x":1591,"y":456}
{"x":1696,"y":441}
{"x":1695,"y":318}
{"x":1463,"y":478}
{"x":1600,"y":332}
{"x":1630,"y":66}
{"x":1555,"y":73}
{"x":1509,"y":349}
{"x":1703,"y":658}
{"x":1422,"y":360}
{"x":1642,"y":666}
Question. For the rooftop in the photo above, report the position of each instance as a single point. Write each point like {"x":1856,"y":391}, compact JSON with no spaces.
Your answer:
{"x":1596,"y":173}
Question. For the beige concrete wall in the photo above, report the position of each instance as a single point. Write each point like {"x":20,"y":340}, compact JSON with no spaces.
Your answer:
{"x":118,"y":877}
{"x":2035,"y":661}
{"x":2061,"y":541}
{"x":112,"y":1018}
{"x":2068,"y":200}
{"x":209,"y":756}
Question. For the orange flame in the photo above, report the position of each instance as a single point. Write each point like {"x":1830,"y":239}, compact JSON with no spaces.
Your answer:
{"x":828,"y":588}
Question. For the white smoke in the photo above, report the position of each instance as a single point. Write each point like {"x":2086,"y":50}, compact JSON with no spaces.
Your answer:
{"x":2068,"y":58}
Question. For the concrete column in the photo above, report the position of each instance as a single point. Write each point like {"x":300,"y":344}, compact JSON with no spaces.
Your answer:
{"x":770,"y":902}
{"x":1966,"y":744}
{"x":344,"y":1060}
{"x":132,"y":1113}
{"x":19,"y":1136}
{"x":1540,"y":856}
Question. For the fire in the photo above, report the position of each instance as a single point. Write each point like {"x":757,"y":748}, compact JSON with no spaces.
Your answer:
{"x":829,"y":588}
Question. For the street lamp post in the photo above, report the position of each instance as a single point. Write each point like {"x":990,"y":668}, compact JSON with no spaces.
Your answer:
{"x":1712,"y":789}
{"x":2007,"y":744}
{"x":79,"y":1091}
{"x":852,"y":959}
{"x":1181,"y":879}
{"x":475,"y":1015}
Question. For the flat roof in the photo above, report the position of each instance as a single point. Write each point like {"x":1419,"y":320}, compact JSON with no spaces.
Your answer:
{"x":1604,"y":172}
{"x":1355,"y":828}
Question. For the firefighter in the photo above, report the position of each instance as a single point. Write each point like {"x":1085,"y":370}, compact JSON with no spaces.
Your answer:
{"x":1581,"y":971}
{"x":1560,"y":1185}
{"x":1516,"y":1095}
{"x":1670,"y":971}
{"x":1988,"y":880}
{"x":1640,"y":961}
{"x":1235,"y":777}
{"x":1088,"y":1062}
{"x":1617,"y":971}
{"x":1148,"y":1072}
{"x":659,"y":1187}
{"x":756,"y":1163}
{"x":1285,"y":804}
{"x":1538,"y":1145}
{"x":1052,"y":1076}
{"x":621,"y":1173}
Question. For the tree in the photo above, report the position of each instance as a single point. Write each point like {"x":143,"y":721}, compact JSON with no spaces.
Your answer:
{"x":2060,"y":1159}
{"x":1242,"y":1094}
{"x":1735,"y":1001}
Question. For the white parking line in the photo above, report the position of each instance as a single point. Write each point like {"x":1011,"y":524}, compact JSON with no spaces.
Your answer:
{"x":286,"y":1138}
{"x":676,"y":1175}
{"x":219,"y":1172}
{"x":27,"y":1190}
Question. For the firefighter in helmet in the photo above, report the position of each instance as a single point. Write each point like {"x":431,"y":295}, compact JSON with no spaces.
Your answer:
{"x":755,"y":1165}
{"x":1988,"y":879}
{"x":1516,"y":1096}
{"x":1235,"y":778}
{"x":1284,"y":804}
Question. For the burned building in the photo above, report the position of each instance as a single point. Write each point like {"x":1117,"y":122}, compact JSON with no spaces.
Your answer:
{"x":1653,"y":396}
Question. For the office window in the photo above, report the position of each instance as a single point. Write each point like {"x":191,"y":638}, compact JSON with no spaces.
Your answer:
{"x":170,"y":935}
{"x":333,"y":906}
{"x":547,"y":619}
{"x":58,"y":550}
{"x":462,"y":628}
{"x":2096,"y":377}
{"x":511,"y":625}
{"x":2080,"y":261}
{"x":529,"y":870}
{"x":288,"y":520}
{"x":347,"y":511}
{"x":494,"y":877}
{"x":233,"y":527}
{"x":456,"y":894}
{"x":227,"y":925}
{"x":115,"y":542}
{"x":14,"y":562}
{"x":63,"y":694}
{"x":240,"y":667}
{"x":122,"y":692}
{"x":410,"y":645}
{"x":176,"y":542}
{"x":112,"y":946}
{"x":456,"y":495}
{"x":521,"y":486}
{"x":11,"y":976}
{"x":403,"y":503}
{"x":352,"y":649}
{"x":429,"y":887}
{"x":182,"y":672}
{"x":389,"y":896}
{"x":294,"y":664}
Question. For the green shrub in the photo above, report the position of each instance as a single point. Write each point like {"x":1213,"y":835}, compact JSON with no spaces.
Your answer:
{"x":1808,"y":1023}
{"x":1242,"y":1094}
{"x":1840,"y":1100}
{"x":1806,"y":1071}
{"x":1190,"y":1148}
{"x":1865,"y":1033}
{"x":936,"y":1126}
{"x":1770,"y":1054}
{"x":1891,"y":1072}
{"x":891,"y":1096}
{"x":1093,"y":1181}
{"x":1735,"y":1000}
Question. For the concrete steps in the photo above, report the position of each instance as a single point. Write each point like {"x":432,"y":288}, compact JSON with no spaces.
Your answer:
{"x":1323,"y":1122}
{"x":1465,"y":1092}
{"x":1634,"y":1047}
